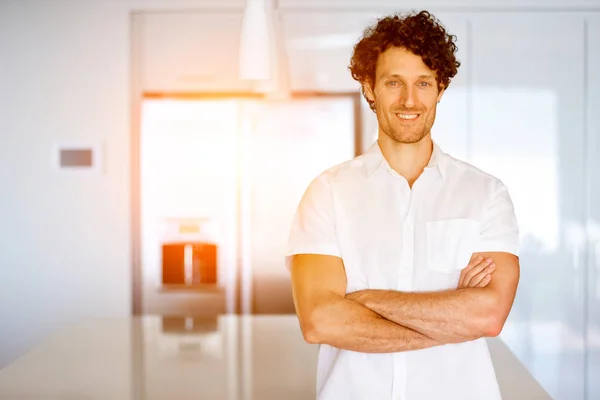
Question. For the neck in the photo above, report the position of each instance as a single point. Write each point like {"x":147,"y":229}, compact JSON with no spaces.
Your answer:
{"x":407,"y":159}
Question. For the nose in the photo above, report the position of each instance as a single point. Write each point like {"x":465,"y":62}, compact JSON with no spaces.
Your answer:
{"x":407,"y":96}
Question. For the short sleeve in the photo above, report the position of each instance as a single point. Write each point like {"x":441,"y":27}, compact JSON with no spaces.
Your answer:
{"x":499,"y":229}
{"x":313,"y":226}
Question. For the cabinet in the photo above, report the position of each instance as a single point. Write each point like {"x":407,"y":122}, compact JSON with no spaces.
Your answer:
{"x":290,"y":145}
{"x":527,"y":119}
{"x":593,"y":167}
{"x":191,"y":51}
{"x":319,"y":46}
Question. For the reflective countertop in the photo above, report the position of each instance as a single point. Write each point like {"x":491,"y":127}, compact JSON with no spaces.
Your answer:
{"x":225,"y":357}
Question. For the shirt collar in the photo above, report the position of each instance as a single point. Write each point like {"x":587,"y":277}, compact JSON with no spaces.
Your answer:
{"x":375,"y":161}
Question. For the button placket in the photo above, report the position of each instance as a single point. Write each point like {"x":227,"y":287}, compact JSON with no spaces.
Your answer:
{"x":408,"y":246}
{"x":404,"y":284}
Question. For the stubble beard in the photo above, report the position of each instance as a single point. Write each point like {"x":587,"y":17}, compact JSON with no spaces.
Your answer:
{"x":406,"y":135}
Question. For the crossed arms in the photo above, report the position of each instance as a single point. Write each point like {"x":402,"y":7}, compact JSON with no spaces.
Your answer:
{"x":382,"y":321}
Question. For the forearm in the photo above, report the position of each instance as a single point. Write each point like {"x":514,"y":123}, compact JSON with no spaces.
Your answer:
{"x":347,"y":325}
{"x":451,"y":316}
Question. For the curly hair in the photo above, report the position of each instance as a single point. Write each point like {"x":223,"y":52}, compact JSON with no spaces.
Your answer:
{"x":421,"y":34}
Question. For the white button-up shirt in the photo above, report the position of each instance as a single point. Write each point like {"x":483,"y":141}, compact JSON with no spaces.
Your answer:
{"x":392,"y":237}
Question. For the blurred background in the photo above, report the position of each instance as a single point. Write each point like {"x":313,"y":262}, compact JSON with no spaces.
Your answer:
{"x":153,"y":152}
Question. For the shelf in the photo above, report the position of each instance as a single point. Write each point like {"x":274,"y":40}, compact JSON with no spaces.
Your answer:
{"x":203,"y":288}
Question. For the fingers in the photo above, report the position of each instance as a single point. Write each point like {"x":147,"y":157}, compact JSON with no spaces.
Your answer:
{"x":485,"y":281}
{"x":472,"y":263}
{"x":475,"y":273}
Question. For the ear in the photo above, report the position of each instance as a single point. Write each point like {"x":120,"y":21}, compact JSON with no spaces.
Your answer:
{"x":368,"y":90}
{"x":441,"y":93}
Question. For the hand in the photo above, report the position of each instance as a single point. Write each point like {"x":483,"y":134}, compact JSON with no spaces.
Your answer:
{"x":477,"y":274}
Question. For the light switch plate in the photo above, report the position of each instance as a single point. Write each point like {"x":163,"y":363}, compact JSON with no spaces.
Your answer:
{"x":78,"y":156}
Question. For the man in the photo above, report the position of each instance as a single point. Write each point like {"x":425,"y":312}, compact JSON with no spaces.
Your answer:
{"x":391,"y":254}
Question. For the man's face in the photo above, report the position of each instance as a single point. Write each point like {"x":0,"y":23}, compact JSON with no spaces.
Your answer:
{"x":405,"y":95}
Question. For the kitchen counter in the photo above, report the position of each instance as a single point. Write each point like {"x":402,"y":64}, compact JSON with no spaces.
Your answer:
{"x":223,"y":358}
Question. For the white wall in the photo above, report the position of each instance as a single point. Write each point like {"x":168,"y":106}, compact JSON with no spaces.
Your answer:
{"x":65,"y":239}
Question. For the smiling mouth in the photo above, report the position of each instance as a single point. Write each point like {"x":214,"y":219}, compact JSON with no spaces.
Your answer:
{"x":408,"y":117}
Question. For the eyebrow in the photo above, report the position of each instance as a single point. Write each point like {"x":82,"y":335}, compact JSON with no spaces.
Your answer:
{"x":398,"y":76}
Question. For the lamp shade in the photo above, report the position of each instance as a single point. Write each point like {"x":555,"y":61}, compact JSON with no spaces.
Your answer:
{"x":255,"y":44}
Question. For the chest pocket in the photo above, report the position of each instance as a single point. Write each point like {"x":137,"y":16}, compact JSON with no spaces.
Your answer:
{"x":450,"y":244}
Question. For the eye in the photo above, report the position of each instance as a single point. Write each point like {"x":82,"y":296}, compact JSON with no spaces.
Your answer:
{"x":425,"y":84}
{"x":392,"y":83}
